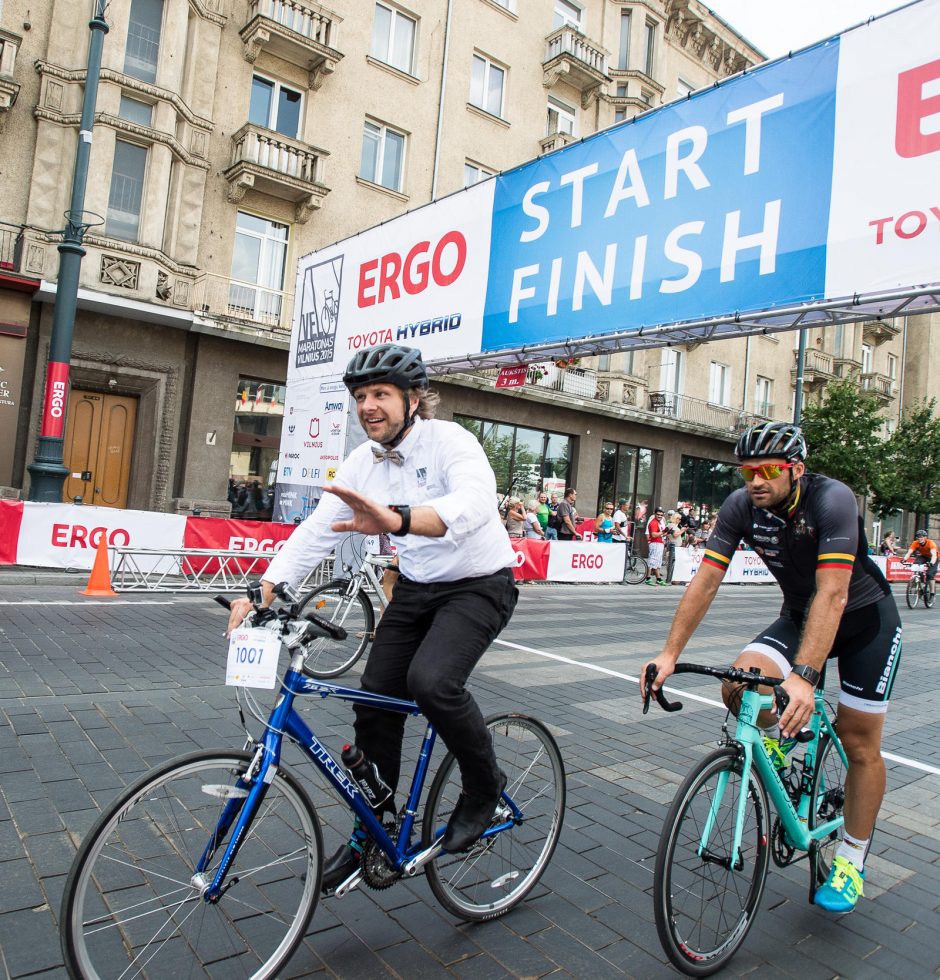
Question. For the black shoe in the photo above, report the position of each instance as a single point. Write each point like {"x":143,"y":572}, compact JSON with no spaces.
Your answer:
{"x":339,"y":867}
{"x":471,"y":816}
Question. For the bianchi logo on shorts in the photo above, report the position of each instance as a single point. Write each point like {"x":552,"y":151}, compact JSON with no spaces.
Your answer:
{"x":885,"y":679}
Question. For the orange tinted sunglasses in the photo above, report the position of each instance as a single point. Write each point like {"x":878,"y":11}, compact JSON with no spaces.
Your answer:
{"x":766,"y":471}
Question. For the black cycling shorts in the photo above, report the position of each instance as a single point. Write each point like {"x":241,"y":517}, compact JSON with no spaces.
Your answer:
{"x":867,"y":647}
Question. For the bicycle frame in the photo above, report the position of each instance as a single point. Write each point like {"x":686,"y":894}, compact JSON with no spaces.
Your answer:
{"x":239,"y":812}
{"x":794,"y":820}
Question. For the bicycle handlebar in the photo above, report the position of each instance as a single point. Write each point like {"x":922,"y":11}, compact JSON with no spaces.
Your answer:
{"x":737,"y":675}
{"x":286,"y":616}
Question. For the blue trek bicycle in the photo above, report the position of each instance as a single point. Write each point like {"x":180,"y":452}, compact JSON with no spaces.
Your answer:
{"x":211,"y":864}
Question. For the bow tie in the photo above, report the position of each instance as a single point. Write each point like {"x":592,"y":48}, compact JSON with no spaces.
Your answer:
{"x":392,"y":455}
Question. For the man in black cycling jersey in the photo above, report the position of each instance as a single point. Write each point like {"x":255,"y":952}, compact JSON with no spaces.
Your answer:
{"x":836,"y":603}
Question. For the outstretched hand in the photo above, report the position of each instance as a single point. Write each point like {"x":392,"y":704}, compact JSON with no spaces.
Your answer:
{"x":369,"y":517}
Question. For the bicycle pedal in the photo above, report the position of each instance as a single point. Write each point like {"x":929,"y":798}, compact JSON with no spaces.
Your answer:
{"x":345,"y":887}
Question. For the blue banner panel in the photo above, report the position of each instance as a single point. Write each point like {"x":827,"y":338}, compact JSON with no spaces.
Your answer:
{"x":712,"y":205}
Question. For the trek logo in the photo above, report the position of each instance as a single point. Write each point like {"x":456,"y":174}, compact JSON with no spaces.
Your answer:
{"x":319,"y":312}
{"x":918,"y":122}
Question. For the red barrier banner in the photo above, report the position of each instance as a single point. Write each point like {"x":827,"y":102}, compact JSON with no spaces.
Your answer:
{"x":221,"y":534}
{"x":531,"y":559}
{"x":897,"y":571}
{"x":11,"y":516}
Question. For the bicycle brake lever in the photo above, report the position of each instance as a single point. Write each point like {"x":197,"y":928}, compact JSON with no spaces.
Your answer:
{"x":661,"y":698}
{"x":781,"y":699}
{"x":331,"y":629}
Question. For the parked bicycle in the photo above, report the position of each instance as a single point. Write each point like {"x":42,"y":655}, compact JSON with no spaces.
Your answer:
{"x":211,"y":864}
{"x":717,"y":839}
{"x":918,"y":588}
{"x":635,"y":568}
{"x":346,"y":602}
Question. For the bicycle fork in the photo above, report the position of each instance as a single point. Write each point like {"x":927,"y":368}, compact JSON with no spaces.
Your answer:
{"x":734,"y":861}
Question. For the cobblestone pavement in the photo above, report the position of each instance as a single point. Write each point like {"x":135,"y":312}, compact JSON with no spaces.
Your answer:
{"x":93,"y":693}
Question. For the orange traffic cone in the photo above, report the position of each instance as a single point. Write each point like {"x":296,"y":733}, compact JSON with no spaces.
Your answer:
{"x":99,"y":582}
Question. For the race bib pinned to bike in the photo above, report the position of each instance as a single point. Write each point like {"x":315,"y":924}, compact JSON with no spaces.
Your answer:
{"x":252,"y":658}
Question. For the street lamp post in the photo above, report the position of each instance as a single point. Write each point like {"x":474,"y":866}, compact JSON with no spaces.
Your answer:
{"x":46,"y":471}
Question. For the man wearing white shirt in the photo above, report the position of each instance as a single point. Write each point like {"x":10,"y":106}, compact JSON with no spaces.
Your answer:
{"x":429,"y":484}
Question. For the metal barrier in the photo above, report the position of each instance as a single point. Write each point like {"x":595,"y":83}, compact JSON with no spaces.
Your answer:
{"x":197,"y":570}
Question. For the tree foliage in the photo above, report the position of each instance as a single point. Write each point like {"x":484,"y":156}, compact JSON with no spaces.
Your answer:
{"x":842,"y":434}
{"x":909,"y":474}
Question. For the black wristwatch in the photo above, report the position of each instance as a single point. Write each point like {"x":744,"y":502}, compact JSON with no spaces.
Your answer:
{"x":809,"y":674}
{"x":405,"y":512}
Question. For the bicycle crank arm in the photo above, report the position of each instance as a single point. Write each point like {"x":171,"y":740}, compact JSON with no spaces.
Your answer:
{"x":422,"y":858}
{"x":345,"y":887}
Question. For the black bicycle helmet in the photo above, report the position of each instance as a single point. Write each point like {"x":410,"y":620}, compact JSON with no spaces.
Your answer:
{"x":387,"y":364}
{"x":921,"y":534}
{"x":772,"y":439}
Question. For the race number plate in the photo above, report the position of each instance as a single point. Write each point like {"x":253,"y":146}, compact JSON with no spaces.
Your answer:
{"x":252,"y":658}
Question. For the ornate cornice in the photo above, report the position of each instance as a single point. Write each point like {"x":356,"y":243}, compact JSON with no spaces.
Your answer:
{"x":211,"y":10}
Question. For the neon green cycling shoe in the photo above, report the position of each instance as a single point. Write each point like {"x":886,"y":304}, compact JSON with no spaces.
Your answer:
{"x":843,"y":887}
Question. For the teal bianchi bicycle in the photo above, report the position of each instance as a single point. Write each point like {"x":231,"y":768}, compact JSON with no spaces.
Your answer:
{"x":718,"y":836}
{"x":211,"y":864}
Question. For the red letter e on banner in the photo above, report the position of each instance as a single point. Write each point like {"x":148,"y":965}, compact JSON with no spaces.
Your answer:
{"x":910,"y":140}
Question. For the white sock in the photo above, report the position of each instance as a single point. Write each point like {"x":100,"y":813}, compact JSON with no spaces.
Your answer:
{"x":854,"y":850}
{"x":772,"y":731}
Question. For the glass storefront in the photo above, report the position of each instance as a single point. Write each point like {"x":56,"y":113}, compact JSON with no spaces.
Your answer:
{"x":259,"y":414}
{"x":524,"y":460}
{"x":627,"y":473}
{"x":704,"y":483}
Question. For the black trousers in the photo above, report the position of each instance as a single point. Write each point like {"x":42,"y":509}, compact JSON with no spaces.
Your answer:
{"x":427,"y":643}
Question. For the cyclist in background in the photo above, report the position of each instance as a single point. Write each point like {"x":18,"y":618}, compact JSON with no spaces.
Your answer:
{"x":429,"y":484}
{"x":836,"y":603}
{"x":924,"y":552}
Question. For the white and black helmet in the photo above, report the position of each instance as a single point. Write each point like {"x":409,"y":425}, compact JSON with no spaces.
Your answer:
{"x":387,"y":364}
{"x":772,"y":439}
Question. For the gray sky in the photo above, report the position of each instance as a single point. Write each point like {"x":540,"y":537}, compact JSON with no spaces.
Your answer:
{"x":779,"y":26}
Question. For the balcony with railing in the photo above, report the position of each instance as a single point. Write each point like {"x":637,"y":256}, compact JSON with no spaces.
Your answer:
{"x":266,"y":161}
{"x":573,"y":58}
{"x":573,"y":380}
{"x":9,"y":88}
{"x":695,"y":411}
{"x":876,"y":332}
{"x":555,"y":141}
{"x":879,"y":385}
{"x":243,"y":303}
{"x":298,"y":31}
{"x":818,"y":368}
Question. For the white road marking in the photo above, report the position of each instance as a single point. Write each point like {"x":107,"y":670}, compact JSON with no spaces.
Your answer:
{"x":87,"y":602}
{"x":688,"y":695}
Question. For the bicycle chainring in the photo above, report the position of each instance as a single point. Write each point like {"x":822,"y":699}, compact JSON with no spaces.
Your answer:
{"x":377,"y":873}
{"x":780,"y":848}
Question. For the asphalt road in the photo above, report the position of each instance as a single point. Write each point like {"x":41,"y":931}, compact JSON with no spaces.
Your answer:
{"x":92,"y":693}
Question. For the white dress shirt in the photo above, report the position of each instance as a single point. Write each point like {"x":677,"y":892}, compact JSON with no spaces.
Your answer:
{"x":443,"y":467}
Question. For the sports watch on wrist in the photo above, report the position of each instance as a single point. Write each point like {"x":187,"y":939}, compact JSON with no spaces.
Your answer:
{"x":809,"y":674}
{"x":404,"y":511}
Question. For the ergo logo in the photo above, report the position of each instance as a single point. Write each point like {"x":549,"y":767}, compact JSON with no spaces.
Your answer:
{"x":414,"y":272}
{"x":79,"y":536}
{"x":57,"y":399}
{"x":264,"y":546}
{"x":914,"y":110}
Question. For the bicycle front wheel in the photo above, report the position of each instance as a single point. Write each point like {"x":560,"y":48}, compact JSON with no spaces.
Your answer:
{"x":329,"y":658}
{"x":704,"y":896}
{"x":133,"y":905}
{"x":828,"y":801}
{"x":498,"y":872}
{"x":635,"y":570}
{"x":912,"y":593}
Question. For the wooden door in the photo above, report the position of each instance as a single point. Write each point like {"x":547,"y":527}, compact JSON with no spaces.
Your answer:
{"x":99,"y":443}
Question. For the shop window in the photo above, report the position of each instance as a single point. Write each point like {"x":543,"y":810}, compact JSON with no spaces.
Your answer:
{"x":627,"y":473}
{"x":704,"y":483}
{"x":256,"y":440}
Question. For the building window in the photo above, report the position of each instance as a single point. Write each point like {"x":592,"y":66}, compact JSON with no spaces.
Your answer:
{"x":646,"y":97}
{"x":383,"y":155}
{"x":623,"y":51}
{"x":258,"y":264}
{"x":620,"y":115}
{"x":626,"y":361}
{"x":892,"y":368}
{"x":567,"y":14}
{"x":127,"y":191}
{"x":256,"y":440}
{"x":603,"y":362}
{"x":135,"y":111}
{"x":684,"y":89}
{"x":670,"y":372}
{"x":627,"y":473}
{"x":525,"y":461}
{"x":275,"y":106}
{"x":649,"y":47}
{"x":143,"y":39}
{"x":705,"y":483}
{"x":393,"y":38}
{"x":487,"y":82}
{"x":719,"y":381}
{"x":562,"y":118}
{"x":473,"y":173}
{"x":866,"y":358}
{"x":764,"y":397}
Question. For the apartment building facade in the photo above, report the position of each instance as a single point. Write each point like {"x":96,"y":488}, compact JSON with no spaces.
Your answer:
{"x":233,"y":136}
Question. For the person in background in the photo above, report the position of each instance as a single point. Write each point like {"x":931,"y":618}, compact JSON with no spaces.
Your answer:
{"x":569,"y":517}
{"x":672,"y":538}
{"x":701,"y":535}
{"x":543,"y":512}
{"x":533,"y":526}
{"x":604,"y":524}
{"x":620,"y":523}
{"x":655,"y":536}
{"x":924,"y":552}
{"x":515,"y":518}
{"x":889,"y":545}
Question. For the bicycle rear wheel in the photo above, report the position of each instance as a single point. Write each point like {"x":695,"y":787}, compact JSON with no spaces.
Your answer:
{"x":912,"y":593}
{"x":635,"y":570}
{"x":329,"y":658}
{"x":498,"y":872}
{"x":705,"y":900}
{"x":133,"y":907}
{"x":828,"y":796}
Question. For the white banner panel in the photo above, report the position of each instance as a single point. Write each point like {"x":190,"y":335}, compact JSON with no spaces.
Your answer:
{"x":67,"y":535}
{"x":585,"y":561}
{"x":884,"y":222}
{"x":746,"y":566}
